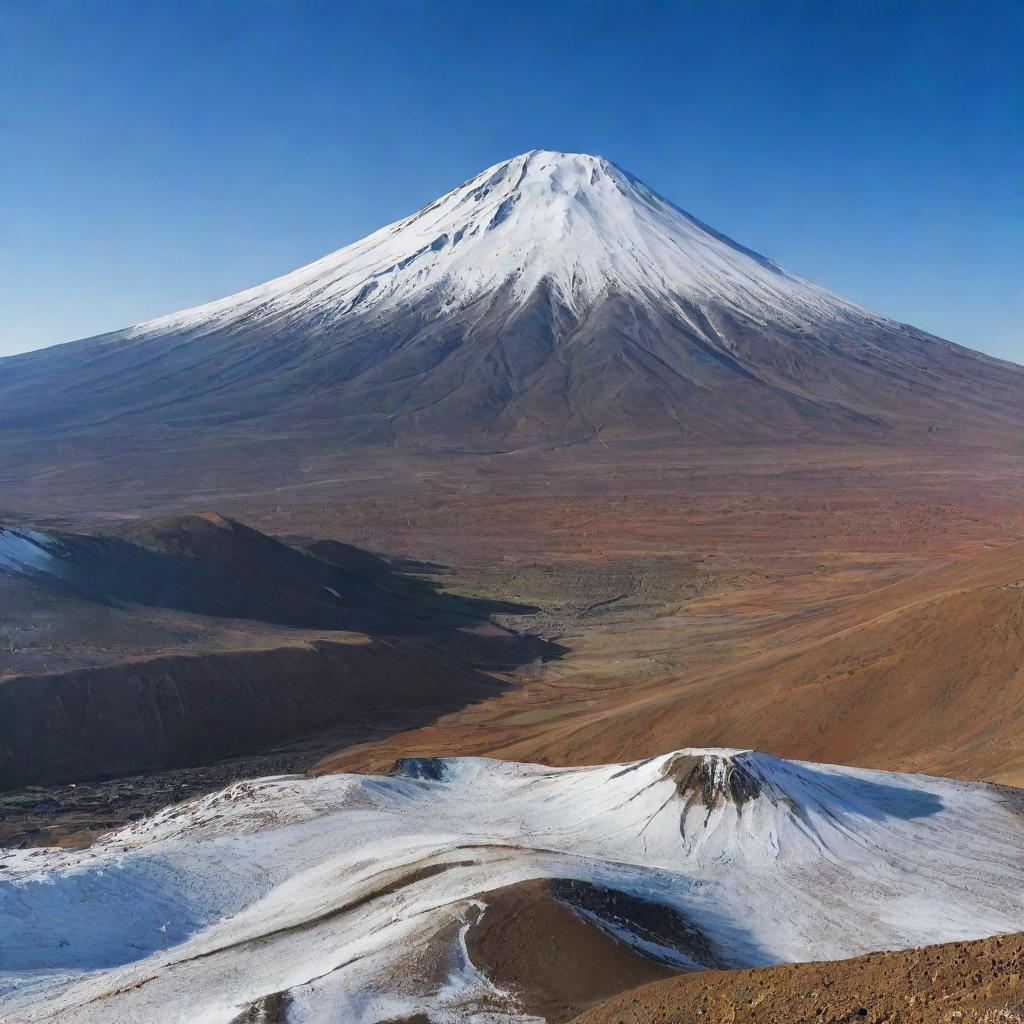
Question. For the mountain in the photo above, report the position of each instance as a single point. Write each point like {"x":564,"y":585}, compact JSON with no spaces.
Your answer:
{"x":371,"y":898}
{"x":553,"y":298}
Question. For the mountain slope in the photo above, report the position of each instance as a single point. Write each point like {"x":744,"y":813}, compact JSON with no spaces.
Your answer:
{"x":193,"y":638}
{"x":552,"y":298}
{"x":969,"y":982}
{"x":361,"y":898}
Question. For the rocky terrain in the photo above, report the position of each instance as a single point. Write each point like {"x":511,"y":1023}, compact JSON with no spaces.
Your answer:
{"x":978,"y":982}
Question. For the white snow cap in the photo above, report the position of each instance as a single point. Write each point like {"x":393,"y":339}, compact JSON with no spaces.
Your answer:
{"x":576,"y":221}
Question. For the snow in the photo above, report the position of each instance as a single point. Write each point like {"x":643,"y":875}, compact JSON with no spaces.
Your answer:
{"x":329,"y":888}
{"x":25,"y":551}
{"x":576,"y":221}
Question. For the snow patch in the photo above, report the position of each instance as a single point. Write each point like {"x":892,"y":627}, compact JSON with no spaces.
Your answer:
{"x":26,"y":551}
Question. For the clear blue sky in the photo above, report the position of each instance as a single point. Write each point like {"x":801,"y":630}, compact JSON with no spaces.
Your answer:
{"x":159,"y":154}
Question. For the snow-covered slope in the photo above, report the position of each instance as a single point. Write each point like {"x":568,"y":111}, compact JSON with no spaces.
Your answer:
{"x":353,"y":895}
{"x":26,"y":551}
{"x":574,"y":221}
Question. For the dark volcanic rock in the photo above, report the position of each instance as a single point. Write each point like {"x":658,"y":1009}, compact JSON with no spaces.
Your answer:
{"x":431,"y":769}
{"x":647,"y":920}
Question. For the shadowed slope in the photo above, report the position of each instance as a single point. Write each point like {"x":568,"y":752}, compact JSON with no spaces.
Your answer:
{"x":195,"y":638}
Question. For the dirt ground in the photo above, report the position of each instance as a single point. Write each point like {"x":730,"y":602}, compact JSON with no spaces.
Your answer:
{"x":838,"y":604}
{"x":554,"y":962}
{"x":856,"y":606}
{"x":964,"y":982}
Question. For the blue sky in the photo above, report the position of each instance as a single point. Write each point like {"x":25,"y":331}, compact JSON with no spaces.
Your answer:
{"x":157,"y":155}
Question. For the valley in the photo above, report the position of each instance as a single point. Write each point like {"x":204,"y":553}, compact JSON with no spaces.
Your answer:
{"x":669,"y":610}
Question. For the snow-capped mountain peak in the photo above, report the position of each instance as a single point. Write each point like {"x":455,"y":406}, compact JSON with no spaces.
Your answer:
{"x":577,"y":222}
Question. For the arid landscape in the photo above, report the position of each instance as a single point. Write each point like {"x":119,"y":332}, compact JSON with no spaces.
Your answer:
{"x":719,"y":535}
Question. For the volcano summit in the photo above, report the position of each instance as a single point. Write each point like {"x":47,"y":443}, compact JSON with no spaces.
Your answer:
{"x":553,"y":298}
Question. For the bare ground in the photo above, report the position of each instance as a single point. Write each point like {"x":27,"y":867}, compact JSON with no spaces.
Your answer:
{"x":551,"y":959}
{"x":964,"y":982}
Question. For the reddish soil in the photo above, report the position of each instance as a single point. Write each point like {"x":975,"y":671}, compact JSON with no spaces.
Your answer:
{"x":964,"y":982}
{"x":844,"y":605}
{"x":554,"y":961}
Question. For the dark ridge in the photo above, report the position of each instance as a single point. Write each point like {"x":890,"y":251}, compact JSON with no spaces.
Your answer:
{"x":646,"y":919}
{"x":402,"y":264}
{"x":428,"y":769}
{"x":391,"y":649}
{"x":695,"y":778}
{"x":364,"y":293}
{"x":632,"y":767}
{"x":272,"y":1009}
{"x":503,"y":211}
{"x":482,"y":190}
{"x":187,"y":710}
